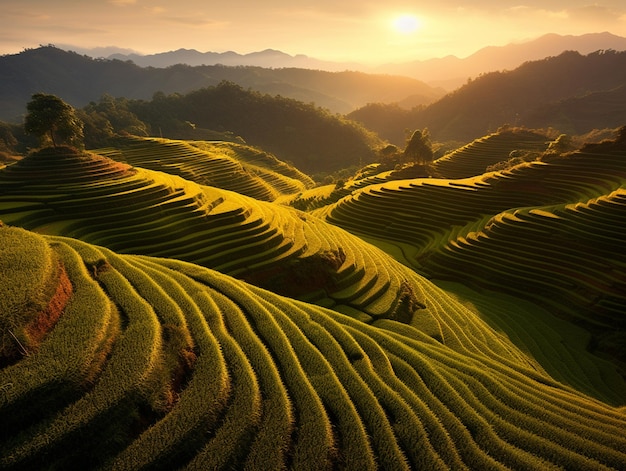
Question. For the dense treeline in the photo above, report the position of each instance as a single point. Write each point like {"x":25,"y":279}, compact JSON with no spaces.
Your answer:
{"x":311,"y":138}
{"x":80,"y":79}
{"x":388,"y":120}
{"x":569,"y":91}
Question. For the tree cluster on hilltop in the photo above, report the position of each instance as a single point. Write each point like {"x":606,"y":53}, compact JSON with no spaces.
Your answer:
{"x":53,"y":121}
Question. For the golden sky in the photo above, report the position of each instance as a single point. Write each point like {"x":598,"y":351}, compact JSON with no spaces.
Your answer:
{"x":370,"y":32}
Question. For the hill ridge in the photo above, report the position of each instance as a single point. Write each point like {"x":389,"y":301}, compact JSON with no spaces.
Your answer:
{"x":154,"y":213}
{"x":253,"y":367}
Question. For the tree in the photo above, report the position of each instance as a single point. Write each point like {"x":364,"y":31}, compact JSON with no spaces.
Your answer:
{"x":561,"y":144}
{"x":53,"y":120}
{"x":7,"y":139}
{"x":418,"y":148}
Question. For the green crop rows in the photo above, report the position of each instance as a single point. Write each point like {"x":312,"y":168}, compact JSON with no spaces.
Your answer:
{"x":204,"y":371}
{"x":150,"y":321}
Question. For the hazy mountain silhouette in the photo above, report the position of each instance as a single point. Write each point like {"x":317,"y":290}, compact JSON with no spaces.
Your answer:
{"x":451,"y":72}
{"x":538,"y":93}
{"x":267,"y":58}
{"x":79,"y":79}
{"x":571,"y":92}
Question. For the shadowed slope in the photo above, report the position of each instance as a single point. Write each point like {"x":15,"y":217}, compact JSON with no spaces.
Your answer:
{"x":568,"y":258}
{"x":134,"y":210}
{"x":226,"y":165}
{"x":208,"y":372}
{"x":550,"y":232}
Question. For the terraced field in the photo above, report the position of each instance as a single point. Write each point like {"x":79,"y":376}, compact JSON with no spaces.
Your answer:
{"x":134,"y":210}
{"x":468,"y":161}
{"x":151,"y":321}
{"x":555,"y":269}
{"x":157,"y":363}
{"x":546,"y":231}
{"x":226,"y":165}
{"x":474,"y":158}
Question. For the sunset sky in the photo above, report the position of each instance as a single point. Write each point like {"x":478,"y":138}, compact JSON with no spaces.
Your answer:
{"x":370,"y":32}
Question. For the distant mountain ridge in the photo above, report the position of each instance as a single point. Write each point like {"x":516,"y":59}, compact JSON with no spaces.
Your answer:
{"x":266,"y":58}
{"x":571,"y":92}
{"x":79,"y":79}
{"x":541,"y":93}
{"x":448,"y":72}
{"x":451,"y":72}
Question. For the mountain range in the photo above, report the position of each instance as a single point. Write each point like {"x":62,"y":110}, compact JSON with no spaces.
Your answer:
{"x":569,"y":92}
{"x":79,"y":79}
{"x":448,"y":72}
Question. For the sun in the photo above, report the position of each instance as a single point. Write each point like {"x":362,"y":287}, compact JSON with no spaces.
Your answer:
{"x":406,"y":24}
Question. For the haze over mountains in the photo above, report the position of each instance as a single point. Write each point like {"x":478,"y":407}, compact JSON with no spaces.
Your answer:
{"x":198,"y":272}
{"x":448,"y":72}
{"x":79,"y":79}
{"x":571,"y":92}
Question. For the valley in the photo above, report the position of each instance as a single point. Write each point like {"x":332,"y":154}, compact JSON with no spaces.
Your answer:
{"x":229,"y":280}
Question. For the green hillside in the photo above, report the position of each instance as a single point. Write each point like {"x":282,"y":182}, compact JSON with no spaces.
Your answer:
{"x":129,"y":362}
{"x":140,"y":211}
{"x":231,"y":166}
{"x":164,"y":305}
{"x":547,"y":231}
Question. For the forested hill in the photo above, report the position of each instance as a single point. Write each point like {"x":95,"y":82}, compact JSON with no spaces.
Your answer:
{"x":572,"y":92}
{"x":312,"y":139}
{"x":80,"y":79}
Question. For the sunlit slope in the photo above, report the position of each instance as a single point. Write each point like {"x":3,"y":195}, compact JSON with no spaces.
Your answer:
{"x":550,"y":232}
{"x":324,"y":195}
{"x":226,"y":165}
{"x":134,"y":210}
{"x":427,"y":212}
{"x":474,"y":158}
{"x":571,"y":258}
{"x":559,"y":345}
{"x":155,"y":363}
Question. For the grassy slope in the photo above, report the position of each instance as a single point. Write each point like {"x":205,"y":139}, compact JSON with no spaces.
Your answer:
{"x":227,"y":165}
{"x":557,"y":221}
{"x":474,"y":158}
{"x":207,"y":371}
{"x":134,"y":210}
{"x":469,"y":382}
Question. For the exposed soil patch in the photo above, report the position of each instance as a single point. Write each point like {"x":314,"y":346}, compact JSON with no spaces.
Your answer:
{"x":46,"y":319}
{"x":43,"y":321}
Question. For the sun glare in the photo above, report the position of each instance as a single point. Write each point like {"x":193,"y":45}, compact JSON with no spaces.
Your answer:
{"x":406,"y":24}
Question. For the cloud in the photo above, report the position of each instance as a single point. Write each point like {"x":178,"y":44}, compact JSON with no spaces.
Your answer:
{"x":156,"y":10}
{"x":122,"y":3}
{"x":196,"y":20}
{"x":594,"y":13}
{"x":21,"y":15}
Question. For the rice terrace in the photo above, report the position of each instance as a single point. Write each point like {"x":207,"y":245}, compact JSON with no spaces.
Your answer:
{"x":232,"y":280}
